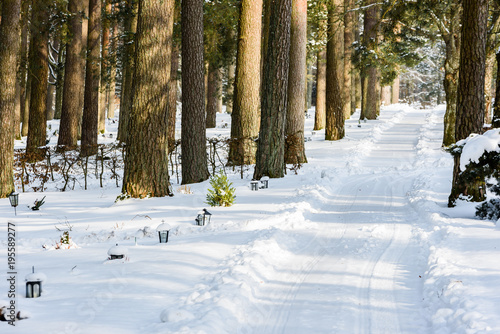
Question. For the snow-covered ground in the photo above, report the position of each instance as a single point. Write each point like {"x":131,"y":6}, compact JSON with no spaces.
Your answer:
{"x":360,"y":240}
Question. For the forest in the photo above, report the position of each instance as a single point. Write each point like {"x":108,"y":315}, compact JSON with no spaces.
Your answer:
{"x":264,"y":62}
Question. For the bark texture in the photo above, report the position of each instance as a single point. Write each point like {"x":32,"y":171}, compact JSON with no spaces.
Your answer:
{"x":320,"y":117}
{"x":470,"y":105}
{"x":496,"y":106}
{"x":105,"y":67}
{"x":38,"y":70}
{"x":23,"y":82}
{"x":74,"y":81}
{"x":335,"y":116}
{"x":395,"y":91}
{"x":92,"y":76}
{"x":193,"y":141}
{"x":213,"y":94}
{"x":370,"y":77}
{"x":130,"y":26}
{"x":348,"y":40}
{"x":271,"y":145}
{"x":172,"y":97}
{"x":247,"y":84}
{"x":9,"y":52}
{"x":146,"y":161}
{"x":295,"y":116}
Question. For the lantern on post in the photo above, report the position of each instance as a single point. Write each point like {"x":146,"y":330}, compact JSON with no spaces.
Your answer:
{"x":163,"y":230}
{"x":203,"y":217}
{"x":34,"y":284}
{"x":264,"y":181}
{"x":14,"y":200}
{"x":254,"y":185}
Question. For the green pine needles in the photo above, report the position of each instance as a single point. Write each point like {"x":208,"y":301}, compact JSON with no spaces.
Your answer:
{"x":221,"y":194}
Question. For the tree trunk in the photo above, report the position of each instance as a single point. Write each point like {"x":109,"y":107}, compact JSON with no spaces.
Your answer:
{"x":105,"y":68}
{"x":9,"y":53}
{"x":334,"y":105}
{"x":61,"y":58}
{"x":348,"y":40}
{"x":320,"y":116}
{"x":271,"y":145}
{"x":73,"y":83}
{"x":395,"y":91}
{"x":26,"y":114}
{"x":146,"y":161}
{"x":247,"y":84}
{"x":496,"y":107}
{"x":172,"y":97}
{"x":23,"y":83}
{"x":488,"y":87}
{"x":92,"y":75}
{"x":212,"y":95}
{"x":470,"y":105}
{"x":370,"y":77}
{"x":231,"y":72}
{"x":385,"y":95}
{"x":39,"y":70}
{"x":112,"y":70}
{"x":51,"y":89}
{"x":294,"y":130}
{"x":130,"y":26}
{"x":451,"y":73}
{"x":193,"y":141}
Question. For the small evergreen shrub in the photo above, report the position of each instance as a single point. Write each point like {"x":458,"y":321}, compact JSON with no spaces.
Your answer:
{"x":489,"y":210}
{"x":221,"y":194}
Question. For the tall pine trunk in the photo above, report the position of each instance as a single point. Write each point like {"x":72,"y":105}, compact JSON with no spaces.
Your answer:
{"x":320,"y":117}
{"x":496,"y":106}
{"x":146,"y":161}
{"x":130,"y":26}
{"x":92,"y":75}
{"x":9,"y":52}
{"x":172,"y":97}
{"x":213,"y":92}
{"x":105,"y":67}
{"x":334,"y":103}
{"x":193,"y":141}
{"x":38,"y":70}
{"x":470,"y":104}
{"x":247,"y":84}
{"x":271,"y":145}
{"x":295,"y":116}
{"x":74,"y":80}
{"x":370,"y":76}
{"x":348,"y":40}
{"x":395,"y":91}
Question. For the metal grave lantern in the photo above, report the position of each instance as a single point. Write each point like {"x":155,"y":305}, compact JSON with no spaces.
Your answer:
{"x":117,"y":252}
{"x":14,"y":200}
{"x":163,"y":230}
{"x":203,"y":217}
{"x":254,"y":185}
{"x":264,"y":181}
{"x":34,"y":284}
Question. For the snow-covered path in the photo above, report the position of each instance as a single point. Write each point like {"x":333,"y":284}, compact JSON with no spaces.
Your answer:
{"x":360,"y":281}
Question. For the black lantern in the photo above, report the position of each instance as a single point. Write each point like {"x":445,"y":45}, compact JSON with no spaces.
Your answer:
{"x":163,"y":230}
{"x":264,"y":182}
{"x":117,"y":252}
{"x":254,"y":185}
{"x":34,"y":284}
{"x":203,"y":217}
{"x":14,"y":200}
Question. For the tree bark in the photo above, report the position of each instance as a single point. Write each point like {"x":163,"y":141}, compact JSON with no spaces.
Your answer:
{"x":23,"y":82}
{"x":348,"y":40}
{"x":92,"y":76}
{"x":385,"y":95}
{"x":172,"y":97}
{"x":39,"y":70}
{"x":295,"y":116}
{"x":452,"y":38}
{"x":335,"y":116}
{"x":488,"y":86}
{"x":193,"y":141}
{"x":212,"y":95}
{"x":146,"y":161}
{"x":247,"y":85}
{"x":395,"y":91}
{"x":320,"y":116}
{"x":470,"y":105}
{"x":271,"y":145}
{"x":74,"y":80}
{"x":112,"y":70}
{"x":496,"y":106}
{"x":105,"y":67}
{"x":51,"y":89}
{"x":370,"y":77}
{"x":130,"y":26}
{"x":9,"y":53}
{"x":231,"y":72}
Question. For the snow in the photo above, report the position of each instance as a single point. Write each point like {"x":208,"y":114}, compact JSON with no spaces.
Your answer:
{"x":475,"y":146}
{"x":118,"y":250}
{"x":358,"y":240}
